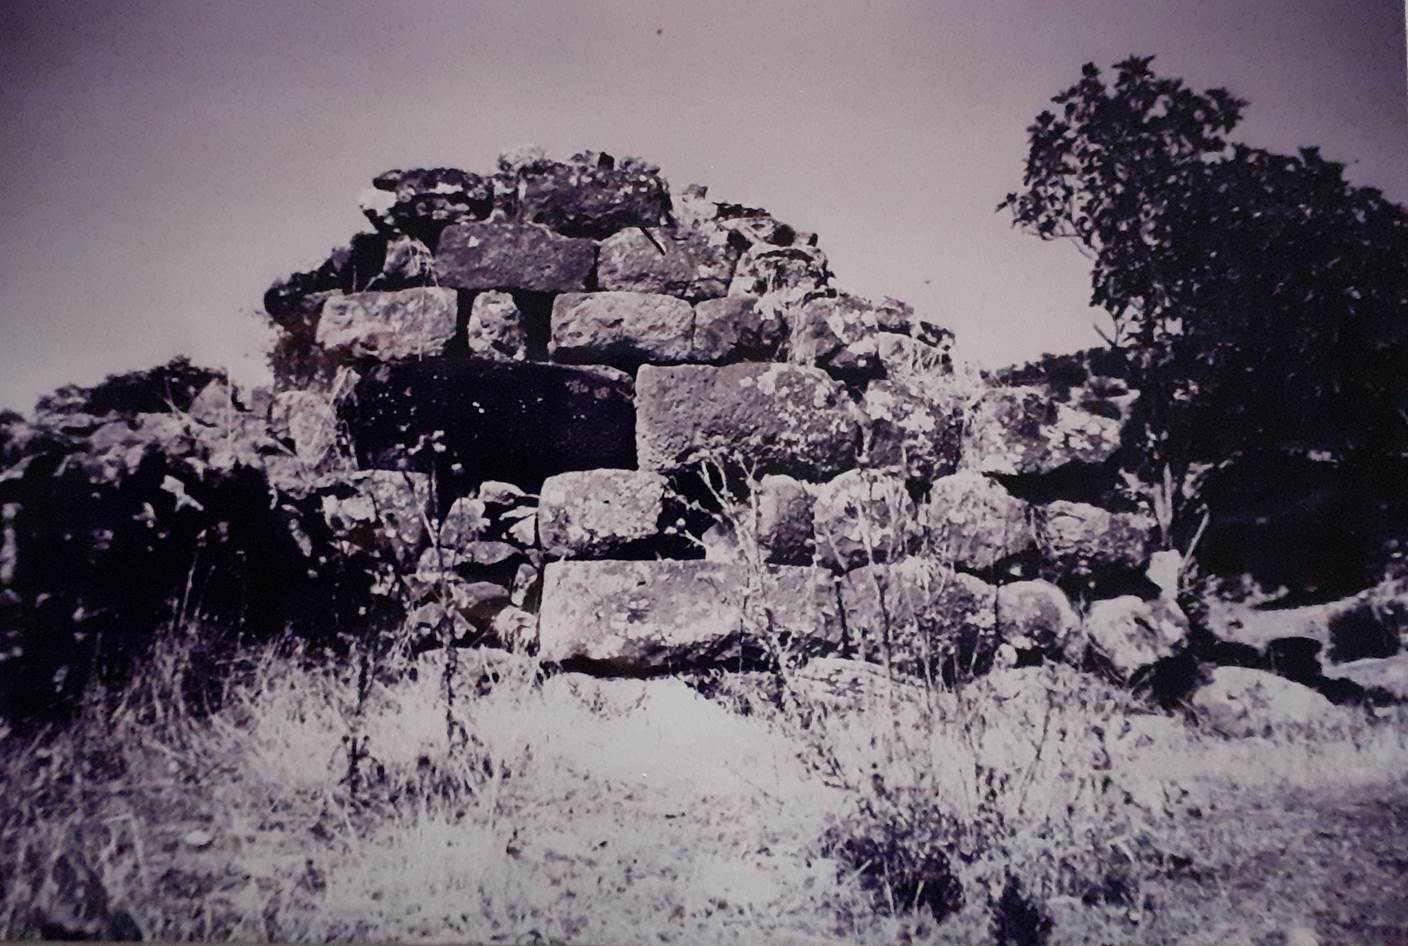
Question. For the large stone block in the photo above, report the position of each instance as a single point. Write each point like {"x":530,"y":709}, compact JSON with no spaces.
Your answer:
{"x":1081,"y":543}
{"x":599,"y":513}
{"x":919,"y":612}
{"x":593,"y":199}
{"x":679,"y":263}
{"x":915,"y":431}
{"x":1130,"y":634}
{"x":642,"y":617}
{"x":778,"y":418}
{"x":625,"y":329}
{"x":975,"y":522}
{"x":862,"y":517}
{"x":1022,"y":431}
{"x":512,"y":256}
{"x":737,"y":328}
{"x":410,"y":323}
{"x":472,"y":421}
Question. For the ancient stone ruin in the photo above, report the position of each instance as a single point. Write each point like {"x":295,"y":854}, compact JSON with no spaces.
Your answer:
{"x":641,"y":429}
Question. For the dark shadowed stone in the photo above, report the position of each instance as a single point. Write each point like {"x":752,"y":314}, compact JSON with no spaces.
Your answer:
{"x":421,"y":202}
{"x":778,"y":418}
{"x":516,"y":421}
{"x":862,"y":517}
{"x":593,"y":200}
{"x":625,"y":329}
{"x":306,"y":419}
{"x":496,"y":327}
{"x":1024,"y":431}
{"x":737,"y":328}
{"x":381,"y":511}
{"x":349,"y":268}
{"x":784,"y":511}
{"x":389,"y":325}
{"x":679,"y":263}
{"x":975,"y":523}
{"x":513,"y":256}
{"x":642,"y":617}
{"x":921,"y":610}
{"x":599,"y":513}
{"x":910,"y":430}
{"x":1079,"y":542}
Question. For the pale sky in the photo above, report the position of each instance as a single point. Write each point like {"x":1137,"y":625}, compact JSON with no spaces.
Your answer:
{"x":162,"y":162}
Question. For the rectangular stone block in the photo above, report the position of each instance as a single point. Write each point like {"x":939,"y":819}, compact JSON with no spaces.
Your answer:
{"x":624,"y":329}
{"x":513,"y":256}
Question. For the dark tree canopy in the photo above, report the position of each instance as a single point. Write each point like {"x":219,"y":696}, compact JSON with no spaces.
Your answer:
{"x":1260,"y":298}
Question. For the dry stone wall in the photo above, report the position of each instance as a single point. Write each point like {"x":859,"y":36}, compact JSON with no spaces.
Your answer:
{"x":655,"y":433}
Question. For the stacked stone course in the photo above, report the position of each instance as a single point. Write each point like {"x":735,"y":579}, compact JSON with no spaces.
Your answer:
{"x":557,"y":354}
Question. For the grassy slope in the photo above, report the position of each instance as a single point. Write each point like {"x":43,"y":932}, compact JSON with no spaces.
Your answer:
{"x":638,"y":811}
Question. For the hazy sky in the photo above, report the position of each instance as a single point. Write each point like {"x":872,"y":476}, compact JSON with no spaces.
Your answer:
{"x":162,"y":162}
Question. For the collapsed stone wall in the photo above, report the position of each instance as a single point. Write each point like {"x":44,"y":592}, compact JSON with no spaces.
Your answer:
{"x":592,"y":374}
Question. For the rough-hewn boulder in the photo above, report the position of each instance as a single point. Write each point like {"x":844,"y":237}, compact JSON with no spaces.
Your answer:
{"x":591,"y":198}
{"x":922,"y":611}
{"x":975,"y":522}
{"x":599,"y":513}
{"x":683,"y":263}
{"x":1036,"y":615}
{"x":307,"y":420}
{"x":784,"y":526}
{"x":1382,"y":674}
{"x":1024,"y":431}
{"x":641,"y":617}
{"x":793,"y":271}
{"x":917,"y":432}
{"x":421,"y":202}
{"x":518,"y":421}
{"x":293,"y":302}
{"x":734,"y":328}
{"x":780,"y":418}
{"x":496,"y":328}
{"x":624,"y":329}
{"x":841,"y":333}
{"x":381,"y":511}
{"x":1240,"y":701}
{"x":512,"y":256}
{"x":862,"y":517}
{"x":409,"y":323}
{"x":1081,"y":543}
{"x":1130,"y":634}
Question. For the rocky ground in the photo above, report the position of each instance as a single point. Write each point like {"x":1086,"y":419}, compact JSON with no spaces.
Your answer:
{"x":715,"y":809}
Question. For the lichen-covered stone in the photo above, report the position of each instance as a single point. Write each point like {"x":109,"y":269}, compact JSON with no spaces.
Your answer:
{"x":496,"y":328}
{"x":975,"y":522}
{"x":683,"y":263}
{"x":599,"y":513}
{"x":784,"y":520}
{"x":421,"y":202}
{"x":409,"y":323}
{"x":792,"y":271}
{"x":916,"y":432}
{"x":861,"y":517}
{"x":1240,"y":701}
{"x":1079,"y":542}
{"x":1023,"y":431}
{"x":651,"y":616}
{"x":624,"y":329}
{"x":380,"y":511}
{"x":780,"y":418}
{"x":918,"y":612}
{"x":1130,"y":634}
{"x":308,"y":420}
{"x":513,"y":256}
{"x":1037,"y":615}
{"x":841,"y":334}
{"x":737,"y":328}
{"x":594,"y":199}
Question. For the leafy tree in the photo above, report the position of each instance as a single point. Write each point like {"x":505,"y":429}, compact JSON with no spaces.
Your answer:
{"x":1260,"y":299}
